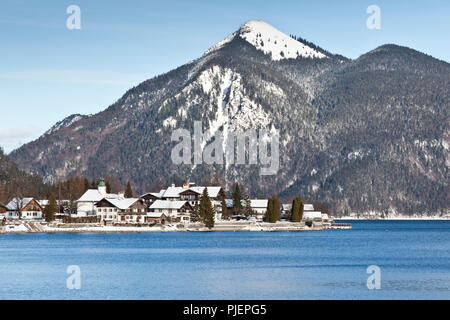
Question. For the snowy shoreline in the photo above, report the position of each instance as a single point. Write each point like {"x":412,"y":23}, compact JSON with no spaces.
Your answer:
{"x":219,"y":227}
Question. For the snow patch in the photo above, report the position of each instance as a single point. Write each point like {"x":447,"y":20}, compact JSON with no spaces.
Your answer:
{"x":271,"y":41}
{"x":170,"y":122}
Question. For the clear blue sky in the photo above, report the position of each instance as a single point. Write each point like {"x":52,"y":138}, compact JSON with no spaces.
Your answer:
{"x":48,"y":72}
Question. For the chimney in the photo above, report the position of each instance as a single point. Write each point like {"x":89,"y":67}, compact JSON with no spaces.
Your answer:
{"x":121,"y":196}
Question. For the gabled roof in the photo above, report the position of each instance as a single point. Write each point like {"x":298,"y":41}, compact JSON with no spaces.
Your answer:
{"x":12,"y":205}
{"x":308,"y":207}
{"x":155,"y":214}
{"x":213,"y":192}
{"x":122,"y":204}
{"x":155,"y":194}
{"x":172,"y":192}
{"x":93,"y":195}
{"x":167,"y":204}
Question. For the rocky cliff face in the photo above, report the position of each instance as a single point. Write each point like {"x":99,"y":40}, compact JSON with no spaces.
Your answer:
{"x":370,"y":134}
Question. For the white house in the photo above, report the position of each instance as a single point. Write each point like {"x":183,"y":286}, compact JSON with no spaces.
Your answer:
{"x":121,"y":210}
{"x":193,"y":195}
{"x":177,"y":211}
{"x":86,"y":204}
{"x":188,"y":192}
{"x":312,"y":215}
{"x":26,"y":208}
{"x":259,"y":206}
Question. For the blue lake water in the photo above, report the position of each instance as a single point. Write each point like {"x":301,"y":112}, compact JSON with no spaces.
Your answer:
{"x":413,"y":256}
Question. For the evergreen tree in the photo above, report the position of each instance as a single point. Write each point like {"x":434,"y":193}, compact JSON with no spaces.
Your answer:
{"x":300,"y":212}
{"x":247,"y":205}
{"x":50,"y":209}
{"x":195,"y":216}
{"x":237,"y":199}
{"x":224,"y":208}
{"x":273,"y":210}
{"x":269,"y":212}
{"x":276,"y":210}
{"x":206,"y":209}
{"x":297,"y":210}
{"x":128,"y":191}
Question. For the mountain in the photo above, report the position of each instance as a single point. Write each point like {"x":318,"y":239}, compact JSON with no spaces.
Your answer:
{"x":370,"y":134}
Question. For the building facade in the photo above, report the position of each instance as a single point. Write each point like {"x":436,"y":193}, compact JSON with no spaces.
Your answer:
{"x":24,"y":208}
{"x":175,"y":211}
{"x":86,"y":204}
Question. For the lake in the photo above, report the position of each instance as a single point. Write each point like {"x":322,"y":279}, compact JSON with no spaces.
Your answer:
{"x":413,"y":257}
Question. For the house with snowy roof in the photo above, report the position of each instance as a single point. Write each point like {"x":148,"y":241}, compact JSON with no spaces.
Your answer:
{"x":216,"y":194}
{"x":24,"y":208}
{"x":121,"y":210}
{"x":86,"y":204}
{"x":190,"y":193}
{"x":149,"y":198}
{"x":175,"y":210}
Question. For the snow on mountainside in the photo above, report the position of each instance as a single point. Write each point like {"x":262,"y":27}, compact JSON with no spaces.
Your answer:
{"x":66,"y":122}
{"x":271,"y":41}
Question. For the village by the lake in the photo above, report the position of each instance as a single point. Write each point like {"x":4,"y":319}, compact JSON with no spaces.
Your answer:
{"x":183,"y":208}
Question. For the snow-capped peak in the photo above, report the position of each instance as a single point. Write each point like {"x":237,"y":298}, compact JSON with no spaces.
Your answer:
{"x":271,"y":41}
{"x":268,"y":39}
